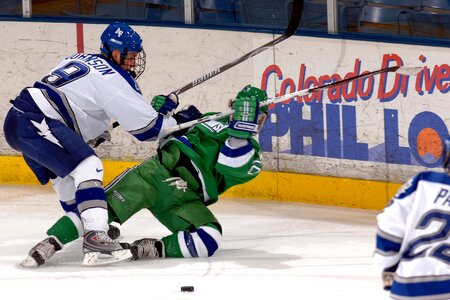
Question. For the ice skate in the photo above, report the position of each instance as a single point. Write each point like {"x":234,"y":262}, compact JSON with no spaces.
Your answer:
{"x":100,"y":249}
{"x":147,"y":247}
{"x":40,"y":253}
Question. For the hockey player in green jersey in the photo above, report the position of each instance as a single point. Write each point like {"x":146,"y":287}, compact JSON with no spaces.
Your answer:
{"x":188,"y":174}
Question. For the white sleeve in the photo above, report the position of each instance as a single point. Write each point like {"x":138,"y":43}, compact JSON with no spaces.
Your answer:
{"x":130,"y":109}
{"x":235,"y":152}
{"x":392,"y":225}
{"x":136,"y":115}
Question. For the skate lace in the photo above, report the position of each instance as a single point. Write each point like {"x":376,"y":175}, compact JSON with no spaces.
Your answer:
{"x":103,"y":237}
{"x":44,"y":248}
{"x":148,"y":248}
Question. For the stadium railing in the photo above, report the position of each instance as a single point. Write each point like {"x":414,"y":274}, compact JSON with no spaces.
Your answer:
{"x":408,"y":18}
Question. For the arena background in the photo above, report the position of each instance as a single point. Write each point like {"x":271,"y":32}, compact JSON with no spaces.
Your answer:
{"x":349,"y":146}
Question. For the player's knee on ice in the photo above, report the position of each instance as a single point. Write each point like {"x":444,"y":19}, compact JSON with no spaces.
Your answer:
{"x":203,"y":242}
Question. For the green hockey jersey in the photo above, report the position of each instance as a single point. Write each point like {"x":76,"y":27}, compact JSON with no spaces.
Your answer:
{"x":218,"y":166}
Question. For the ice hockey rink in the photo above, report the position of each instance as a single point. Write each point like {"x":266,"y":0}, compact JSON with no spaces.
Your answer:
{"x":271,"y":250}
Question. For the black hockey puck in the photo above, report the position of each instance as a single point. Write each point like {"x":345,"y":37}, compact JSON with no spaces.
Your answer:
{"x":188,"y":288}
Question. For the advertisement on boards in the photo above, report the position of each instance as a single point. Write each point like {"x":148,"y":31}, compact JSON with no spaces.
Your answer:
{"x":389,"y":118}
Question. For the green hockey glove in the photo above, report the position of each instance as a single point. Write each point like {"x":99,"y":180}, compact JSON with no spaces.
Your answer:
{"x":165,"y":104}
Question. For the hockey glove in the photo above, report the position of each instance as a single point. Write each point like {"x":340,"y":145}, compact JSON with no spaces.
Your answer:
{"x":186,"y":114}
{"x":165,"y":104}
{"x":244,"y":121}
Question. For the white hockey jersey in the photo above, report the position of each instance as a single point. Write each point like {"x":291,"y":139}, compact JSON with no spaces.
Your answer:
{"x":413,"y":238}
{"x":86,"y":91}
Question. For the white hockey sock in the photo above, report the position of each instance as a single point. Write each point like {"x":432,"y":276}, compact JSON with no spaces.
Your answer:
{"x":95,"y":219}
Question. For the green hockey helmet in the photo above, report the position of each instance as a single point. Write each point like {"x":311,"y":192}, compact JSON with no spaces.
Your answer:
{"x":249,"y":91}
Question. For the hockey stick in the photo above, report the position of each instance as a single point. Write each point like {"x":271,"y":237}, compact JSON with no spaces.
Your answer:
{"x":410,"y":71}
{"x":294,"y":21}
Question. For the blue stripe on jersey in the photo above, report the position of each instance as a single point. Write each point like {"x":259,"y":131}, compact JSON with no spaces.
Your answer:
{"x":61,"y":105}
{"x":152,"y":132}
{"x":408,"y":188}
{"x":429,"y":176}
{"x":94,"y":193}
{"x":387,"y":245}
{"x":122,"y":72}
{"x":208,"y":240}
{"x":431,"y":288}
{"x":435,"y":177}
{"x":190,"y":244}
{"x":227,"y":151}
{"x":184,"y":140}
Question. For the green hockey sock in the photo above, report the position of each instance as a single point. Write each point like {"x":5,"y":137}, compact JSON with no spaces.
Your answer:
{"x":64,"y":229}
{"x":171,"y":246}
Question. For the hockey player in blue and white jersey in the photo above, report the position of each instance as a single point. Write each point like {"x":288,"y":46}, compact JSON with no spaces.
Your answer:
{"x":53,"y":123}
{"x":413,"y":237}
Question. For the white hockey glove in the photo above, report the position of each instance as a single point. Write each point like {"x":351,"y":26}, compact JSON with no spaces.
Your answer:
{"x":165,"y":104}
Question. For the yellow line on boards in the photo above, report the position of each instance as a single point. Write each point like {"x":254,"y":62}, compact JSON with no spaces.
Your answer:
{"x":277,"y":186}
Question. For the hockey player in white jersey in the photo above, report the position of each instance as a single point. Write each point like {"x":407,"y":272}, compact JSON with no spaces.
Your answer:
{"x":413,"y":237}
{"x":52,"y":123}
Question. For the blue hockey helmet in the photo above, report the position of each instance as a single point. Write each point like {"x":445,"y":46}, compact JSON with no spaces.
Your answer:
{"x":446,"y":155}
{"x":122,"y":37}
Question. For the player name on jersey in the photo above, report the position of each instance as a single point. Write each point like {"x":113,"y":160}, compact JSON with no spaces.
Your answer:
{"x":443,"y":197}
{"x":96,"y":62}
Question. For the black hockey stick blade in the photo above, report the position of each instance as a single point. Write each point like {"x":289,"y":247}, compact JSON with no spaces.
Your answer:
{"x":294,"y":21}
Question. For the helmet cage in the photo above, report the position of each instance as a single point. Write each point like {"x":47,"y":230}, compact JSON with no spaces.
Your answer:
{"x":139,"y":67}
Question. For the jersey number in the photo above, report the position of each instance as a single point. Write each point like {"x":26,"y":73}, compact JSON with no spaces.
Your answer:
{"x":68,"y":73}
{"x":441,"y":251}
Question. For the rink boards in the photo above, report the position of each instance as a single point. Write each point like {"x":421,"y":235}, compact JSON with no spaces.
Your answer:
{"x":289,"y":187}
{"x":352,"y":145}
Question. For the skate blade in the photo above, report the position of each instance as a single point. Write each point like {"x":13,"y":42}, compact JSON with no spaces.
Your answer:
{"x":29,"y":262}
{"x":98,"y":258}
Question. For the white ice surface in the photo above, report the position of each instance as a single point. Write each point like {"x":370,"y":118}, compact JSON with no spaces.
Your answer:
{"x":271,"y":250}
